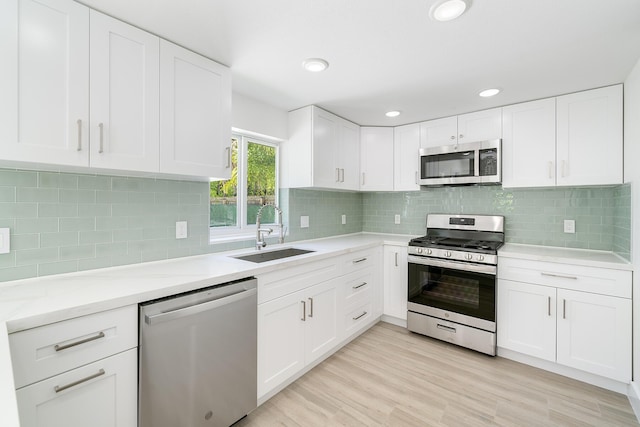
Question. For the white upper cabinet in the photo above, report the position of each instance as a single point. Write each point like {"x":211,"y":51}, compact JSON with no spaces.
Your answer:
{"x":376,"y":159}
{"x":406,"y":151}
{"x":529,"y":144}
{"x":44,"y":81}
{"x":478,"y":126}
{"x":195,"y":114}
{"x":589,"y":137}
{"x":124,"y":123}
{"x":323,"y":151}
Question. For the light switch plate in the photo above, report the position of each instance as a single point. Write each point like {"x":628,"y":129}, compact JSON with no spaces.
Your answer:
{"x":304,"y":221}
{"x":344,"y":219}
{"x":396,"y":219}
{"x":569,"y":226}
{"x":5,"y":241}
{"x":181,"y":229}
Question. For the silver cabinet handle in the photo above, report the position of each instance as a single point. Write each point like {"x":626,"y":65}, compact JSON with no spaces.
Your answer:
{"x":358,"y":317}
{"x":550,"y":169}
{"x":60,"y":388}
{"x":337,"y":174}
{"x":58,"y":347}
{"x":396,"y":254}
{"x":564,"y":308}
{"x":359,"y":286}
{"x":358,"y":261}
{"x":101,"y":149}
{"x":310,"y":307}
{"x":362,"y":178}
{"x":561,"y":276}
{"x":79,"y":135}
{"x":549,"y":306}
{"x":304,"y":311}
{"x":228,"y":156}
{"x":342,"y":179}
{"x":453,"y":137}
{"x":446,"y":328}
{"x":461,"y":136}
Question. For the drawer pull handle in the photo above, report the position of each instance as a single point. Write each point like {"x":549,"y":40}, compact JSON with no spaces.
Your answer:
{"x":58,"y":389}
{"x":310,"y":307}
{"x":562,"y":276}
{"x":564,"y":308}
{"x":58,"y":347}
{"x":304,"y":311}
{"x":358,"y":261}
{"x":549,"y":306}
{"x":358,"y":317}
{"x":359,"y":286}
{"x":446,"y":328}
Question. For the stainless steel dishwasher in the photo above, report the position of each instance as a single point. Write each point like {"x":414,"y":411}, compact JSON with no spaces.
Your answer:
{"x":198,"y":357}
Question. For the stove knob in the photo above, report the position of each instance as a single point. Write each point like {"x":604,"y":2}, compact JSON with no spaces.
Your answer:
{"x":419,"y":250}
{"x":429,"y":251}
{"x":447,"y":254}
{"x":480,"y":257}
{"x":468,"y":256}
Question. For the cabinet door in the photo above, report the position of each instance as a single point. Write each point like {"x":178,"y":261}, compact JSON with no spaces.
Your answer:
{"x":326,"y":131}
{"x":44,"y":81}
{"x":100,"y":394}
{"x":589,"y":138}
{"x":527,"y":319}
{"x":376,"y":159}
{"x":395,"y":282}
{"x":438,"y":132}
{"x":321,"y":319}
{"x":195,"y":114}
{"x":406,"y":152}
{"x":594,"y":333}
{"x":529,"y":144}
{"x":281,"y":334}
{"x":348,"y":155}
{"x":124,"y":125}
{"x":480,"y":126}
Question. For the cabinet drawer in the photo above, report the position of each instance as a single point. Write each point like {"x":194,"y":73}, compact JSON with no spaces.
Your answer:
{"x":358,"y":287}
{"x":283,"y":282}
{"x":358,"y":260}
{"x":51,"y":349}
{"x":356,"y":318}
{"x":596,"y":280}
{"x":102,"y":393}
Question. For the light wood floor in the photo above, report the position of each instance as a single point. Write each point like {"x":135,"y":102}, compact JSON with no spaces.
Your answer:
{"x":391,"y":377}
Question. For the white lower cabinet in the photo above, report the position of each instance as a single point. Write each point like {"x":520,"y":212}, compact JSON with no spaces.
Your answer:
{"x":78,"y":372}
{"x":559,"y":313}
{"x":395,"y":282}
{"x":100,"y":394}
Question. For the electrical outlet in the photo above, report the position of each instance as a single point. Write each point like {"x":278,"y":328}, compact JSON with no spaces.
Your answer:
{"x":181,"y":229}
{"x":344,"y":219}
{"x":5,"y":242}
{"x":396,"y":220}
{"x":569,"y":226}
{"x":304,"y":221}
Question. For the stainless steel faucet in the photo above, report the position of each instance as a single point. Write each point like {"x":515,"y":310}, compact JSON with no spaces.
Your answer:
{"x":260,"y":238}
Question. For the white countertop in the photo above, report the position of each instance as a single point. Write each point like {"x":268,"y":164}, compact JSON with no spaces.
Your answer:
{"x":39,"y":301}
{"x":588,"y":258}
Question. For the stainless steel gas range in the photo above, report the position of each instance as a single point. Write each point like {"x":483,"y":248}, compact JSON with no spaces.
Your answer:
{"x":452,"y":280}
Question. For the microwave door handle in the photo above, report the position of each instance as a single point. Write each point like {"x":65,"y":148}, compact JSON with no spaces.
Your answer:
{"x":476,"y":162}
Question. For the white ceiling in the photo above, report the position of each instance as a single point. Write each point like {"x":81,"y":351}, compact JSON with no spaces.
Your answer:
{"x":388,"y":54}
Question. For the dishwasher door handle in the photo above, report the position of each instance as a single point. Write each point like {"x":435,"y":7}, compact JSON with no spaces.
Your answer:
{"x":198,"y":308}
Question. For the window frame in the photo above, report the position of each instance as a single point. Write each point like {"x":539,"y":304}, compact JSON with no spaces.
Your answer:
{"x":242,"y":230}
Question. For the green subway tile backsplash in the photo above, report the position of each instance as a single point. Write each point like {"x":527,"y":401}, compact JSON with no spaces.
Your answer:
{"x":64,"y":222}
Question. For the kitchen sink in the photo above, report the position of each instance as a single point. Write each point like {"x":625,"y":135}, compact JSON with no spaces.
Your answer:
{"x":273,"y":255}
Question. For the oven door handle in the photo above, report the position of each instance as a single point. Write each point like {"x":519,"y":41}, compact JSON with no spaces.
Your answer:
{"x":455,"y":265}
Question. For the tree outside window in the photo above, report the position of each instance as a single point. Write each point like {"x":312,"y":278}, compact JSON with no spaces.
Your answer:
{"x":253,"y":183}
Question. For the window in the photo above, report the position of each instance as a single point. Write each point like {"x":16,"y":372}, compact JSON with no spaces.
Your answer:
{"x":234,"y":203}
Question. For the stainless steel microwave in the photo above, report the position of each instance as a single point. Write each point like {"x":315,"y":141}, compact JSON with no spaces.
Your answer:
{"x":462,"y":164}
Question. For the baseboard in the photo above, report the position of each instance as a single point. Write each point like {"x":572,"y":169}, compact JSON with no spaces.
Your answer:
{"x":634,"y":398}
{"x":576,"y":374}
{"x":394,"y":320}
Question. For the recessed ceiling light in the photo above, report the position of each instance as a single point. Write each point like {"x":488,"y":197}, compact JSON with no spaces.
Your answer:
{"x":392,"y":113}
{"x":489,"y":92}
{"x":315,"y":65}
{"x":446,"y":10}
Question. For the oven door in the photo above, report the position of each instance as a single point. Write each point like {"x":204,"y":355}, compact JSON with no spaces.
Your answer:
{"x":457,"y":291}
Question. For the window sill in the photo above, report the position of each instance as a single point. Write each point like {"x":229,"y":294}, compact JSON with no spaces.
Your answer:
{"x":228,"y":238}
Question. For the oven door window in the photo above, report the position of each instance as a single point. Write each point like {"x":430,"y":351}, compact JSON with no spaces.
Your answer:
{"x":457,"y":291}
{"x":448,"y":165}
